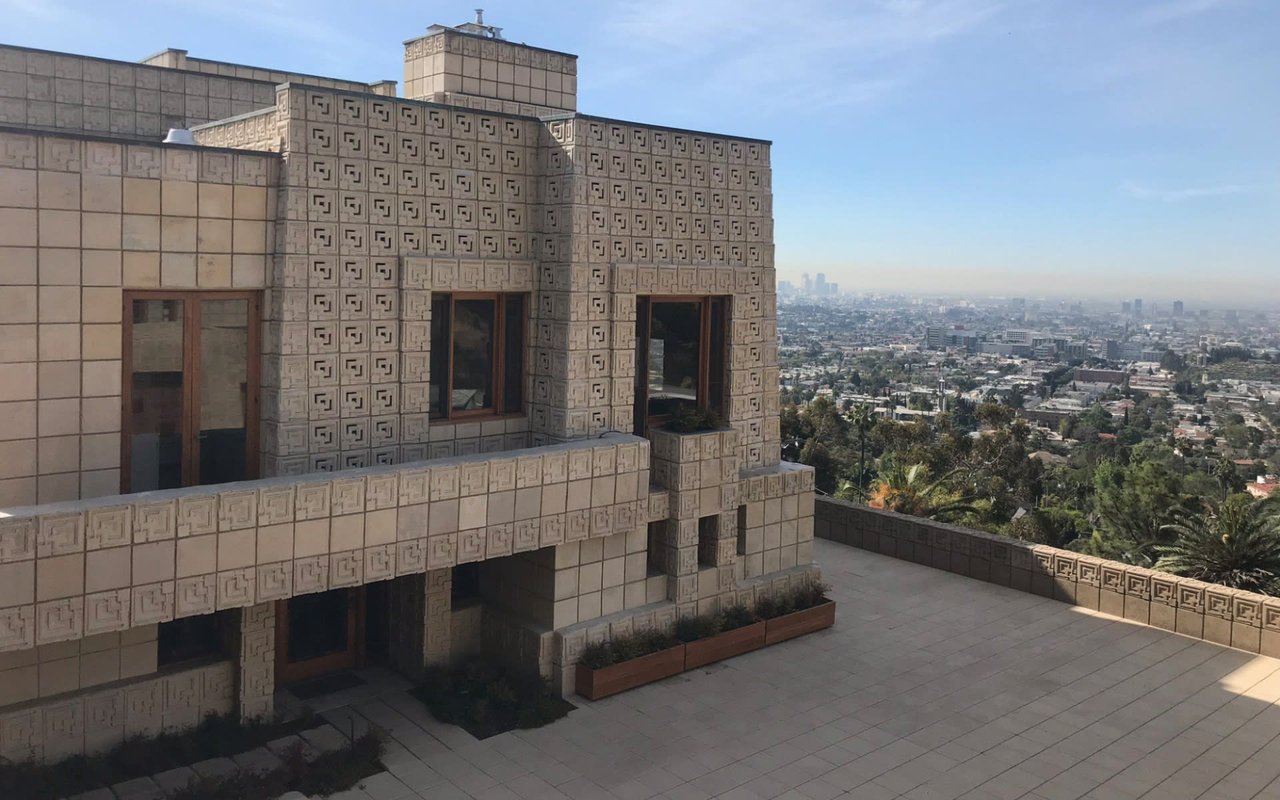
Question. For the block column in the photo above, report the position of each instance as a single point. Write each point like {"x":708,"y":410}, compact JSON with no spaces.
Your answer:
{"x":256,"y":661}
{"x":439,"y":606}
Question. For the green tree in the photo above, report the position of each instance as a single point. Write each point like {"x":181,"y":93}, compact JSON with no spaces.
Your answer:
{"x":1133,"y":506}
{"x":1238,"y":546}
{"x":863,"y":421}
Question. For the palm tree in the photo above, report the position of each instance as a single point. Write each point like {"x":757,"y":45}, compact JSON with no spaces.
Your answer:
{"x":909,"y":490}
{"x":1239,"y":546}
{"x":863,"y":420}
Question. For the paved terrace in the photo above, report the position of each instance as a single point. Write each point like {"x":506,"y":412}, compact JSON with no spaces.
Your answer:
{"x":930,"y":686}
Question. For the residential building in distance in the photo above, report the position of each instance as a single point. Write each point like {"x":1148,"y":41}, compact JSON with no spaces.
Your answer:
{"x":354,"y":364}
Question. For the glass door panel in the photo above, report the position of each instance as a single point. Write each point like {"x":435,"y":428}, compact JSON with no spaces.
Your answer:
{"x":156,"y":395}
{"x":224,"y":391}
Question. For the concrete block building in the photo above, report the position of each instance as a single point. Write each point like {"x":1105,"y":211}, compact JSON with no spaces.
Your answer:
{"x":344,"y":377}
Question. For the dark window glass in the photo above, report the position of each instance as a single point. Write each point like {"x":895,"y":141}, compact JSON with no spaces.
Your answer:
{"x":477,"y":354}
{"x":513,"y":355}
{"x":439,"y":354}
{"x":465,"y":586}
{"x":708,"y":533}
{"x":318,"y":624}
{"x":473,"y":323}
{"x":674,"y":357}
{"x":188,"y":638}
{"x":156,"y":395}
{"x":224,"y":390}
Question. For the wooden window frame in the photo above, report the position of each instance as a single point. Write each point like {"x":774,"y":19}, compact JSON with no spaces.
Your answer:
{"x":644,"y":421}
{"x":497,"y":358}
{"x":191,"y":374}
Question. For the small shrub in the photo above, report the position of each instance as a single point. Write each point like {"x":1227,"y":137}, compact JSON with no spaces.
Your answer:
{"x":485,"y":697}
{"x":691,"y":419}
{"x":736,"y":616}
{"x":691,"y":629}
{"x":598,"y":655}
{"x":810,"y":595}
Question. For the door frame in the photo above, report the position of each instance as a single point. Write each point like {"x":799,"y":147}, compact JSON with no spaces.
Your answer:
{"x":191,"y":374}
{"x":291,"y":672}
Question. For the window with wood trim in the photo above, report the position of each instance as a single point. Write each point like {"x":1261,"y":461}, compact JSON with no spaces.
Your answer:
{"x":680,"y":356}
{"x":477,"y":355}
{"x":190,"y":389}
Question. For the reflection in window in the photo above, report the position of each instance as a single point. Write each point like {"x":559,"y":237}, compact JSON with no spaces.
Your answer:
{"x":156,"y":395}
{"x":477,"y":355}
{"x":674,"y":356}
{"x":680,"y":356}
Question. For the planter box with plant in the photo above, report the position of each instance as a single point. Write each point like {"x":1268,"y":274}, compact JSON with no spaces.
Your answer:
{"x":691,"y":419}
{"x":802,"y":611}
{"x":711,"y":639}
{"x":606,"y":668}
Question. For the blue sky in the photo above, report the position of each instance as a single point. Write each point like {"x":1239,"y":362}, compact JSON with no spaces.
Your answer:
{"x":1080,"y":147}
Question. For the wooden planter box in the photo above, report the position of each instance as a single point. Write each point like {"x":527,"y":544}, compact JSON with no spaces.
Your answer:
{"x":798,"y":623}
{"x":594,"y":684}
{"x":724,"y":645}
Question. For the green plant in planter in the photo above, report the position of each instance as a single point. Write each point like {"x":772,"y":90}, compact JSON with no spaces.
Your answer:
{"x":807,"y":596}
{"x":691,"y":629}
{"x":736,"y":616}
{"x":691,"y":419}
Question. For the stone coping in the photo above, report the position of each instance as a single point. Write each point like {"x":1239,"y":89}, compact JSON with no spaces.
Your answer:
{"x":1243,"y":620}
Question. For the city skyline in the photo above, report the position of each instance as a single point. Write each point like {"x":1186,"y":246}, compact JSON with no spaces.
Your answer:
{"x":950,"y":145}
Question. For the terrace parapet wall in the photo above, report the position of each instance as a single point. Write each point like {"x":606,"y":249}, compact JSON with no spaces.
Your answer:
{"x":1243,"y":620}
{"x":75,"y":569}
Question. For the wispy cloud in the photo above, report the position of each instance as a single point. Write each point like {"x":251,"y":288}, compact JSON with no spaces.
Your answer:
{"x":1170,"y":10}
{"x":1140,"y":192}
{"x":44,"y":11}
{"x":809,"y":52}
{"x":295,"y":18}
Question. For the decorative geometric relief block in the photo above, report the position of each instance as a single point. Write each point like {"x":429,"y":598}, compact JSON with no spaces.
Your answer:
{"x":382,"y":491}
{"x":346,"y":568}
{"x":411,"y":557}
{"x":143,"y":704}
{"x":196,"y":515}
{"x":275,"y":581}
{"x":21,"y":735}
{"x":218,"y":687}
{"x":347,"y":496}
{"x":312,"y":501}
{"x":152,"y":603}
{"x":500,"y":540}
{"x":60,"y":534}
{"x":474,"y":479}
{"x":106,"y":611}
{"x":310,"y":575}
{"x":414,"y":486}
{"x":59,"y":620}
{"x":196,"y":595}
{"x":17,"y":627}
{"x":17,"y":539}
{"x":108,"y":527}
{"x":379,"y":563}
{"x":104,"y":711}
{"x":442,"y":550}
{"x":275,"y":505}
{"x":527,"y":532}
{"x":182,"y":690}
{"x":237,"y":588}
{"x":237,"y":510}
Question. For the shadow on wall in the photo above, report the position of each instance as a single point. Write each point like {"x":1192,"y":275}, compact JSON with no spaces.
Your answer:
{"x":1244,"y":620}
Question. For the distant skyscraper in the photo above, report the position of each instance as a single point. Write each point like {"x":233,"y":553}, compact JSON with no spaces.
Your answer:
{"x":1177,"y":308}
{"x":1137,"y":307}
{"x":1126,"y":307}
{"x":833,"y":289}
{"x":806,"y":283}
{"x":820,"y":285}
{"x":933,"y":337}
